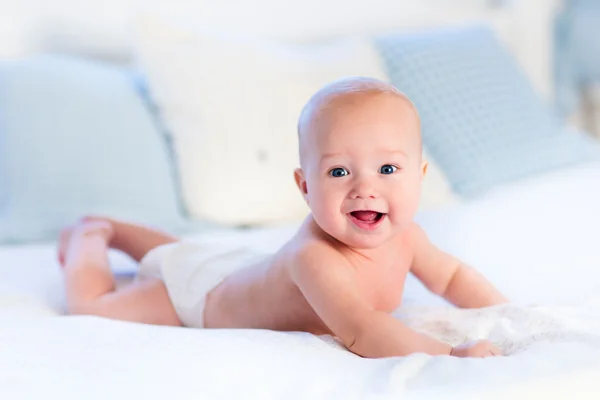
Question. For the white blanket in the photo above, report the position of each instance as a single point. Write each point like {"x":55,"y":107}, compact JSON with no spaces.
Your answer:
{"x":537,"y":241}
{"x":553,"y":352}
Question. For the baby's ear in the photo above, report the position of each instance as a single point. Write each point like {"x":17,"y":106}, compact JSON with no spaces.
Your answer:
{"x":301,"y":183}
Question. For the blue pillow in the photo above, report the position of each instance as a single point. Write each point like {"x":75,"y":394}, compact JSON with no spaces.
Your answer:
{"x":482,"y":122}
{"x":576,"y":51}
{"x":75,"y":139}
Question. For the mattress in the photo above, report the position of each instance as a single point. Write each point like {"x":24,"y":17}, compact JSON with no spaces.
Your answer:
{"x":537,"y":240}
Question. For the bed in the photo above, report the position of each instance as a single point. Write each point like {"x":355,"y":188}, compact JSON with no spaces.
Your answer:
{"x":535,"y":239}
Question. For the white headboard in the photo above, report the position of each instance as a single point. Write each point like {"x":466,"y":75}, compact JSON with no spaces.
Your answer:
{"x":104,"y":28}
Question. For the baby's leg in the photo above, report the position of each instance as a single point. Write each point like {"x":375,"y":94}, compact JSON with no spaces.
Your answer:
{"x":134,"y":240}
{"x":90,"y":284}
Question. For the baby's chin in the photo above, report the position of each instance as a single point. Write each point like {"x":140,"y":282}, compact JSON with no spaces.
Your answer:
{"x":359,"y":240}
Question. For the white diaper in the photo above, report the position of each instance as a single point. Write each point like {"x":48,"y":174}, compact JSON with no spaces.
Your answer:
{"x":191,"y":270}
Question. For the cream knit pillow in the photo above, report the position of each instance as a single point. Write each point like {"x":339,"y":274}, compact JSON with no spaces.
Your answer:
{"x":231,"y":106}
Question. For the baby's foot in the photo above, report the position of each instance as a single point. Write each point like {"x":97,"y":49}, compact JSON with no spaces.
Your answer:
{"x":86,"y":226}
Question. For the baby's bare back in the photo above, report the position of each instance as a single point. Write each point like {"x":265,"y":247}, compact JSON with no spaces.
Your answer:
{"x":264,"y":295}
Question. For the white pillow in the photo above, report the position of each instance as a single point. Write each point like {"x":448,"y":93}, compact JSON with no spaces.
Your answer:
{"x":435,"y":190}
{"x":232,"y":105}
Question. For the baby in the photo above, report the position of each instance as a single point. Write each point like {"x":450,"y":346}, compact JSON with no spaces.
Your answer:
{"x":341,"y":274}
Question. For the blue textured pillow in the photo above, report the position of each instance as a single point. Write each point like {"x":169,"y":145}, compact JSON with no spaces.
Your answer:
{"x":481,"y":119}
{"x":76,"y":138}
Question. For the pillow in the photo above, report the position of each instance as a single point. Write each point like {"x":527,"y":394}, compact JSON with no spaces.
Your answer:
{"x":75,"y":138}
{"x":231,"y":106}
{"x":482,"y":121}
{"x":576,"y":52}
{"x":436,"y":192}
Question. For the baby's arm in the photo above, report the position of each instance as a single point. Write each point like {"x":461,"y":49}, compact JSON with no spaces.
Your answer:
{"x":448,"y":277}
{"x":329,"y":285}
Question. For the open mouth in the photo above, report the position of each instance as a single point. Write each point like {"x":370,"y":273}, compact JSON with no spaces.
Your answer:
{"x":366,"y":219}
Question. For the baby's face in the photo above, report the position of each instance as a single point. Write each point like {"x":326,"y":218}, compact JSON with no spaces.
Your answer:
{"x":362,"y":168}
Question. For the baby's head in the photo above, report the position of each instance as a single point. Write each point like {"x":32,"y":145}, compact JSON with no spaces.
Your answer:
{"x":360,"y":158}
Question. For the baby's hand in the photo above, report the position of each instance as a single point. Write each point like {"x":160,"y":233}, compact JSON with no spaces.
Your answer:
{"x":480,"y":349}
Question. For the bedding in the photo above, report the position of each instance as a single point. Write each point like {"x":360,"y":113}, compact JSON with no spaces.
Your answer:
{"x":536,"y":239}
{"x":54,"y":112}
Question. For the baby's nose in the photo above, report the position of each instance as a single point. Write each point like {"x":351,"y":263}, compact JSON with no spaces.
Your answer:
{"x":363,"y":189}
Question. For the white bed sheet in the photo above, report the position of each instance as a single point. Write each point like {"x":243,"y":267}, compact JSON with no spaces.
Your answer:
{"x":537,"y":240}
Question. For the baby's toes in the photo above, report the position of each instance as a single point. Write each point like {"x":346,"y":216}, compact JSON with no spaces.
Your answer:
{"x":99,"y":228}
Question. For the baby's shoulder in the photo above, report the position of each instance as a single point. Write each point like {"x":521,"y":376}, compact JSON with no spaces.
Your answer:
{"x":316,"y":249}
{"x":415,"y":236}
{"x":317,"y":264}
{"x":314,"y":253}
{"x":416,"y":241}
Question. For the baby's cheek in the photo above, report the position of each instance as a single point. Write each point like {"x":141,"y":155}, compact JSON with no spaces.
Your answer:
{"x":319,"y":208}
{"x":405,"y":205}
{"x":327,"y":214}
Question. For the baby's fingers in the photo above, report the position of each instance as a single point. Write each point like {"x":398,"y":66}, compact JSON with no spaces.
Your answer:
{"x":495,"y":351}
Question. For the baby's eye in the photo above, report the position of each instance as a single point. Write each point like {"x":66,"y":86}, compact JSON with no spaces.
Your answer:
{"x":387,"y":169}
{"x":338,"y":172}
